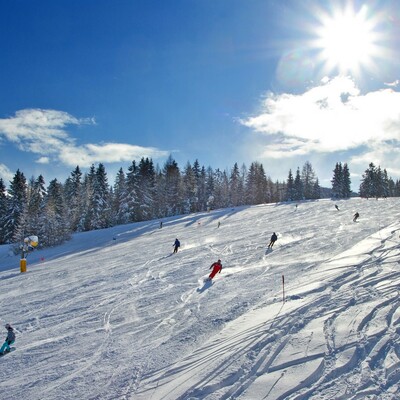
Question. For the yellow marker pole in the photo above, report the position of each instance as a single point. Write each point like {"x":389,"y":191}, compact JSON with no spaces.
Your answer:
{"x":22,"y":264}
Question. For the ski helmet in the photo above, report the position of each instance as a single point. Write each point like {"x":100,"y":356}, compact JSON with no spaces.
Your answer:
{"x":8,"y":326}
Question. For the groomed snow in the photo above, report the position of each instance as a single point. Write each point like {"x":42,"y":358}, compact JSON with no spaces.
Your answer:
{"x":112,"y":314}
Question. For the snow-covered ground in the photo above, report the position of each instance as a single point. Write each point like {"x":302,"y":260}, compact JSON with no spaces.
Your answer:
{"x":112,"y":314}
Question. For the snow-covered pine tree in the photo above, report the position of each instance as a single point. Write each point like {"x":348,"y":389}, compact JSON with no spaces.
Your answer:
{"x":210,"y":187}
{"x":120,"y":208}
{"x":397,"y":188}
{"x":270,"y":190}
{"x":132,"y":182}
{"x":16,"y":208}
{"x":379,"y":184}
{"x":375,"y":182}
{"x":257,"y":185}
{"x":100,"y":204}
{"x":221,"y":189}
{"x":158,"y":206}
{"x":172,"y":188}
{"x":390,"y":184}
{"x":308,"y":178}
{"x":290,"y":189}
{"x":54,"y":224}
{"x":341,"y":181}
{"x":385,"y":184}
{"x":261,"y":185}
{"x":35,"y":202}
{"x":316,"y":192}
{"x":337,"y":181}
{"x":146,"y":190}
{"x":86,"y":217}
{"x":196,"y":204}
{"x":368,"y":182}
{"x":250,"y":188}
{"x":346,"y":182}
{"x":190,"y":199}
{"x":298,"y":186}
{"x":73,"y":190}
{"x":278,"y":192}
{"x":235,"y":187}
{"x":202,"y":189}
{"x":3,"y":210}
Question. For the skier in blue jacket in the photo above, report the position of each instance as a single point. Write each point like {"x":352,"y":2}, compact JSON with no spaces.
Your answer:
{"x":10,"y":339}
{"x":176,"y":245}
{"x":274,"y":238}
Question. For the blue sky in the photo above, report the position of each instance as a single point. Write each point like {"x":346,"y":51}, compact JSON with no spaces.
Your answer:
{"x":221,"y":81}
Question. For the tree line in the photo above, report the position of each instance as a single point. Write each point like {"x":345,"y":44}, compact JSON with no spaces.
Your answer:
{"x":86,"y":201}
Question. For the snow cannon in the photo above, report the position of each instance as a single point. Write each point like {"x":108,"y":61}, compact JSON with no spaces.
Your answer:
{"x":32,"y":241}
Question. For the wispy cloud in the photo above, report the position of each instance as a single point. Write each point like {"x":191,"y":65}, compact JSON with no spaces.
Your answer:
{"x":393,"y":84}
{"x":385,"y":155}
{"x":44,"y":132}
{"x":106,"y":152}
{"x":5,"y":174}
{"x":333,"y":116}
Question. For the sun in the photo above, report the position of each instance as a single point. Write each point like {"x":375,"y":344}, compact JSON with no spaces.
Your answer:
{"x":348,"y":41}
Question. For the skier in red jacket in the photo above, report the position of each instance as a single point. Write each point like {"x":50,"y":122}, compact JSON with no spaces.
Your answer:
{"x":217,"y":268}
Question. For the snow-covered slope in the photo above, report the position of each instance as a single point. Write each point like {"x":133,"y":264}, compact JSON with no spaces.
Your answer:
{"x":112,"y":314}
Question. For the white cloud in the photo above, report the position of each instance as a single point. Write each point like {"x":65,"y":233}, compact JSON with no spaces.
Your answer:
{"x":107,"y":152}
{"x":43,"y":132}
{"x":43,"y":160}
{"x":334,"y":116}
{"x":5,"y":174}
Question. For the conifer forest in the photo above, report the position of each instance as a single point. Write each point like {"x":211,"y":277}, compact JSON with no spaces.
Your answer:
{"x":88,"y":201}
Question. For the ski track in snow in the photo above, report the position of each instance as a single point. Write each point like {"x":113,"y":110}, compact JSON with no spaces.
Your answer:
{"x":113,"y":314}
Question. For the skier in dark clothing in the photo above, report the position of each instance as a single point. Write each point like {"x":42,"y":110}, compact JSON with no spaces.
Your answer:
{"x":274,"y":238}
{"x":355,"y":217}
{"x":10,"y":339}
{"x":176,"y":245}
{"x":217,"y":268}
{"x":336,"y":206}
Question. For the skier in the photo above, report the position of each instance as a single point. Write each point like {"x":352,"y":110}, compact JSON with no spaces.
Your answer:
{"x":217,"y":268}
{"x":274,"y":238}
{"x":336,"y":206}
{"x":10,"y":339}
{"x":355,"y":217}
{"x":160,"y":224}
{"x":176,"y":245}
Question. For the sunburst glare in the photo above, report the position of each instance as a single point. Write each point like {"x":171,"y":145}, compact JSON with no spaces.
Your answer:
{"x":349,"y":41}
